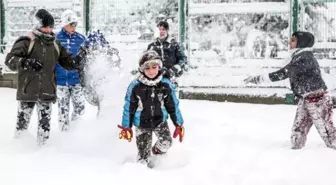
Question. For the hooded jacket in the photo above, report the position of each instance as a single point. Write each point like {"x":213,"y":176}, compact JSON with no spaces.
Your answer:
{"x":38,"y":86}
{"x":303,"y":70}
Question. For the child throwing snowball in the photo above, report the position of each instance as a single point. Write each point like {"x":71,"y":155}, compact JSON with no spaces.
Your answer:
{"x":315,"y":105}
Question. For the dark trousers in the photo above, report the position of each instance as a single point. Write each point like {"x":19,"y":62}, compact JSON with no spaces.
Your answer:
{"x":25,"y":111}
{"x":144,"y":140}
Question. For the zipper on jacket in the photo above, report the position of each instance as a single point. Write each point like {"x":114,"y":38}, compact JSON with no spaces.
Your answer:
{"x":161,"y":47}
{"x":44,"y":50}
{"x":152,"y":107}
{"x":66,"y":71}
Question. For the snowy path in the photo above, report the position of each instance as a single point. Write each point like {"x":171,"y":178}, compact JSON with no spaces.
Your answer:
{"x":225,"y":143}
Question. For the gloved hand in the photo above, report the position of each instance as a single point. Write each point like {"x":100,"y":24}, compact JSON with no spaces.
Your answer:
{"x":179,"y":131}
{"x":168,"y":73}
{"x":177,"y":70}
{"x":33,"y":64}
{"x":125,"y":133}
{"x":79,"y":59}
{"x":253,"y":79}
{"x":83,"y":51}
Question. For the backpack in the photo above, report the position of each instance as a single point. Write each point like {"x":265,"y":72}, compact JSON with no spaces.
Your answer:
{"x":32,"y":42}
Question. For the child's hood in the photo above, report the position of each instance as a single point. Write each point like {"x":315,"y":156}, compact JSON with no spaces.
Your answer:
{"x":304,"y":39}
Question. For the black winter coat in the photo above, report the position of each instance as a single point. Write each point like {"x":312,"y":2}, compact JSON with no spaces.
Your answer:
{"x":148,"y":103}
{"x":170,"y":51}
{"x":303,"y":72}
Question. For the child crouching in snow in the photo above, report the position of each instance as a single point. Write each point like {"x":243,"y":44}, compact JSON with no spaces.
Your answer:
{"x":149,"y":100}
{"x":315,"y":105}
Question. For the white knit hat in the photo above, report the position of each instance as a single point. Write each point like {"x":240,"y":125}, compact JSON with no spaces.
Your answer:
{"x":68,"y":17}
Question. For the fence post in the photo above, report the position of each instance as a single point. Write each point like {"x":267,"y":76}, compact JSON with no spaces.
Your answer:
{"x":182,"y":23}
{"x":295,"y":15}
{"x":87,"y":15}
{"x":3,"y":24}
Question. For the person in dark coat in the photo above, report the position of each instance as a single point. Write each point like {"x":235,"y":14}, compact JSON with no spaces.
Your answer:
{"x":148,"y":102}
{"x":34,"y":57}
{"x":315,"y":105}
{"x":173,"y":58}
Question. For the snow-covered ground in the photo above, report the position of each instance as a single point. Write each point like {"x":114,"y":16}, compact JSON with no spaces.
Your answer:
{"x":226,"y":143}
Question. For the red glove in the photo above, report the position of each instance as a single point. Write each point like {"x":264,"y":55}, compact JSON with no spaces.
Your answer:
{"x":179,"y":131}
{"x":125,"y":133}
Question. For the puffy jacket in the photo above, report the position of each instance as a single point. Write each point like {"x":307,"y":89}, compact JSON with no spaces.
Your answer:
{"x":303,"y":70}
{"x":72,"y":42}
{"x":170,"y":52}
{"x":38,"y":86}
{"x":147,"y":106}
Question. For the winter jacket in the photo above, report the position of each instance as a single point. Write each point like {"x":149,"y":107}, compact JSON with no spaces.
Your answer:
{"x":148,"y":103}
{"x":72,"y":42}
{"x":170,"y":52}
{"x":303,"y":72}
{"x":38,"y":86}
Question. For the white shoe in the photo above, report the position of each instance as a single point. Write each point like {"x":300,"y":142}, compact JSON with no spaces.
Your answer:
{"x":42,"y":137}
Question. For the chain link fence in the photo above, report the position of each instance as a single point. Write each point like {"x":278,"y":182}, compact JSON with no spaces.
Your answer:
{"x":319,"y":18}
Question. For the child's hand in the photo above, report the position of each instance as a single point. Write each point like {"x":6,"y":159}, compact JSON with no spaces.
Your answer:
{"x":179,"y":131}
{"x":253,"y":79}
{"x":125,"y":133}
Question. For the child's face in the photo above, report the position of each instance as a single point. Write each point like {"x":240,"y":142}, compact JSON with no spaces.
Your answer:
{"x":152,"y":70}
{"x":46,"y":29}
{"x":293,"y":42}
{"x":71,"y":27}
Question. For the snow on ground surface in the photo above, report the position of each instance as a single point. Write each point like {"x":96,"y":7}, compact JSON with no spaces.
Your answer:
{"x":225,"y":143}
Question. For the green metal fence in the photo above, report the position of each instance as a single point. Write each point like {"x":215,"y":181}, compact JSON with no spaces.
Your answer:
{"x":17,"y":17}
{"x":126,"y":20}
{"x":319,"y":18}
{"x":139,"y":18}
{"x":2,"y":25}
{"x":237,"y":29}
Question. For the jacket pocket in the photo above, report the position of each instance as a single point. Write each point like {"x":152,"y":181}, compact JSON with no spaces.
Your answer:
{"x":27,"y":82}
{"x":54,"y":86}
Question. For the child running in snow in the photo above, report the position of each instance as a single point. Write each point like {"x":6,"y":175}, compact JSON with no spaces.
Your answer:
{"x":149,"y":100}
{"x":315,"y":105}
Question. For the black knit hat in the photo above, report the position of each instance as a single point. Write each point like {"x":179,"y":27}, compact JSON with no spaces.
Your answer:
{"x":44,"y":18}
{"x":304,"y":39}
{"x":163,"y":24}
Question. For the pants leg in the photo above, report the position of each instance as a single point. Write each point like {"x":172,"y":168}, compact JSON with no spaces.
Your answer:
{"x":321,"y":113}
{"x":164,"y":141}
{"x":301,"y":126}
{"x":25,"y":111}
{"x":44,"y":116}
{"x":63,"y":101}
{"x":144,"y":143}
{"x":78,"y":101}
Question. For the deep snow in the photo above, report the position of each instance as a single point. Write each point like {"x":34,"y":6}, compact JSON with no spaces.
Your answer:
{"x":225,"y":143}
